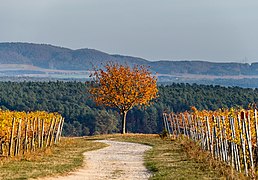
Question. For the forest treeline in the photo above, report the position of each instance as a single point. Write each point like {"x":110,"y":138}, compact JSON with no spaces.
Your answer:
{"x":83,"y":117}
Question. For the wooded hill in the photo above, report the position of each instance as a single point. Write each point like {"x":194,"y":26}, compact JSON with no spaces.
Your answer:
{"x":83,"y":117}
{"x":53,"y":57}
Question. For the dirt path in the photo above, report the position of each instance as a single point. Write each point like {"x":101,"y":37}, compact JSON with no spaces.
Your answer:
{"x":120,"y":160}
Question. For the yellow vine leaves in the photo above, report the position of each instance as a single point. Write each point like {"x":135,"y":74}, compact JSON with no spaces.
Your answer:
{"x":8,"y":117}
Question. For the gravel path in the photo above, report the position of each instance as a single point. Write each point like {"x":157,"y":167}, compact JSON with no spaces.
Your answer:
{"x":120,"y":160}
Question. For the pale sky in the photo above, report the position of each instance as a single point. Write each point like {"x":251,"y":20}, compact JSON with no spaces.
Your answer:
{"x":213,"y":30}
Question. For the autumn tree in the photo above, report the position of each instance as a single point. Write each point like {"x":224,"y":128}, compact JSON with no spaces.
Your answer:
{"x":122,"y":87}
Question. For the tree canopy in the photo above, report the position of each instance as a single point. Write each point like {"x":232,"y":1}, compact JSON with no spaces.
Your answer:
{"x":122,"y":87}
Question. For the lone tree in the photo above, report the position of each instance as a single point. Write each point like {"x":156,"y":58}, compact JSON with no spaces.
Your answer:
{"x":122,"y":87}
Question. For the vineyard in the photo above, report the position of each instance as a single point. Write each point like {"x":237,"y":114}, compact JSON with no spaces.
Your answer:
{"x":230,"y":135}
{"x":22,"y":132}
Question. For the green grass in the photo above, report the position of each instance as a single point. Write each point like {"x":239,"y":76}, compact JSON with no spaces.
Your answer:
{"x":65,"y":157}
{"x":168,"y":159}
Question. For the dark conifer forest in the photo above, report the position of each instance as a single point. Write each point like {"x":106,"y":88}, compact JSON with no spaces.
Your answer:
{"x":83,"y":117}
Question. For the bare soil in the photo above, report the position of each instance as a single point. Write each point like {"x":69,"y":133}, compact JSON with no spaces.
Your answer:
{"x":120,"y":160}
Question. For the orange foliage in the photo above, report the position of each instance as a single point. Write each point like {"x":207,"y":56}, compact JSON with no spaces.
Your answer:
{"x":122,"y":87}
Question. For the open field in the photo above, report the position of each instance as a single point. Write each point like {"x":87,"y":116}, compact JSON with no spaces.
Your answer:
{"x":30,"y":71}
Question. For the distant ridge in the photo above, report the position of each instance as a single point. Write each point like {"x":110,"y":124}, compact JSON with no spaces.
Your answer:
{"x":60,"y":58}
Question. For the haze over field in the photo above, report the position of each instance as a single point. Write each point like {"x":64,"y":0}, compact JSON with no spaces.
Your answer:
{"x":220,"y":31}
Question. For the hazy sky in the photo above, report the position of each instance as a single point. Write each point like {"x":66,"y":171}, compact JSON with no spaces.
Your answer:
{"x":214,"y":30}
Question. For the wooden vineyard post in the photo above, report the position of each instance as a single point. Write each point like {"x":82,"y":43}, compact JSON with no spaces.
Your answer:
{"x":184,"y":125}
{"x":207,"y":144}
{"x":60,"y":134}
{"x":214,"y":135}
{"x":242,"y":141}
{"x":225,"y":141}
{"x":249,"y":125}
{"x":49,"y":132}
{"x":177,"y":125}
{"x":212,"y":139}
{"x":220,"y":142}
{"x":256,"y":130}
{"x":166,"y":125}
{"x":11,"y":138}
{"x":256,"y":125}
{"x":216,"y":149}
{"x":38,"y":132}
{"x":207,"y":140}
{"x":190,"y":125}
{"x":195,"y":128}
{"x":234,"y":149}
{"x":58,"y":131}
{"x":202,"y":135}
{"x":42,"y":133}
{"x":198,"y":129}
{"x":168,"y":128}
{"x":164,"y":121}
{"x":209,"y":136}
{"x":18,"y":139}
{"x":33,"y":125}
{"x":53,"y":132}
{"x":171,"y":123}
{"x":25,"y":146}
{"x":231,"y":144}
{"x":187,"y":126}
{"x":249,"y":141}
{"x":1,"y":148}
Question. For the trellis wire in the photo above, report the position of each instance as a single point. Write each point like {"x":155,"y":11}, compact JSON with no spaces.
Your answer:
{"x":33,"y":135}
{"x":231,"y":139}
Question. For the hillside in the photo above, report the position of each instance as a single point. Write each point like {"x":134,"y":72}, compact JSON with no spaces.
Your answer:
{"x":204,"y":68}
{"x":52,"y":57}
{"x":42,"y":62}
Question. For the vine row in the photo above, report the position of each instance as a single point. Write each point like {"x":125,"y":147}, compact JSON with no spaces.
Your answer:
{"x":230,"y":135}
{"x":22,"y":132}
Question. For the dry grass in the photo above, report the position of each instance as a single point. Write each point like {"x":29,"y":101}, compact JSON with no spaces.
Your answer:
{"x":195,"y":153}
{"x":168,"y":159}
{"x":65,"y":157}
{"x":171,"y":159}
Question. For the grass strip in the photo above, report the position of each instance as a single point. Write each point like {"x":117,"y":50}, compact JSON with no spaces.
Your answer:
{"x":176,"y":159}
{"x":63,"y":158}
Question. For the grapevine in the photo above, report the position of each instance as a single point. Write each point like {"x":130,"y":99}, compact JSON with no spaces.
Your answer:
{"x":22,"y":132}
{"x":230,"y":135}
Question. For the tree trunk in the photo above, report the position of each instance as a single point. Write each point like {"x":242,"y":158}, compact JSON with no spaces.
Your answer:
{"x":124,"y":122}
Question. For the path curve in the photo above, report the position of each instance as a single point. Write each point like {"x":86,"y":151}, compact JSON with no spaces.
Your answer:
{"x":120,"y":160}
